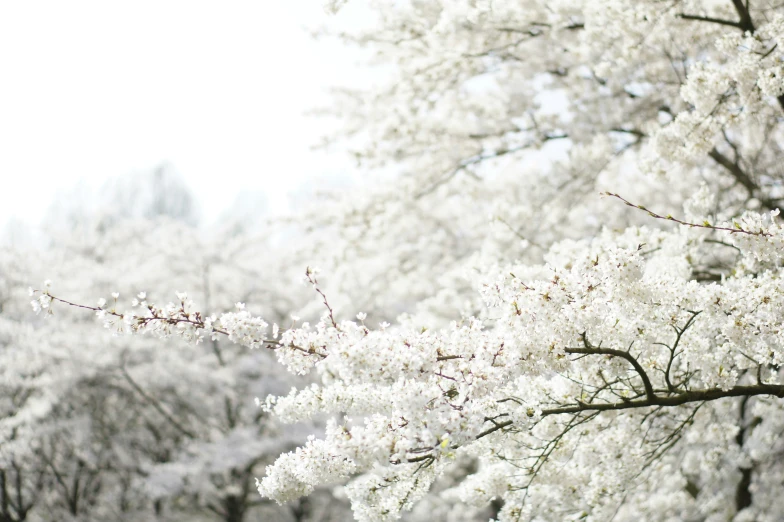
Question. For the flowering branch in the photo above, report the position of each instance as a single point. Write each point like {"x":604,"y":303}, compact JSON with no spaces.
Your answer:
{"x":173,"y":315}
{"x":310,"y":275}
{"x":737,"y":230}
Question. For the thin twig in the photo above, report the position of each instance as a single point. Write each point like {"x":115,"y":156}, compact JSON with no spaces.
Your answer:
{"x":705,"y":224}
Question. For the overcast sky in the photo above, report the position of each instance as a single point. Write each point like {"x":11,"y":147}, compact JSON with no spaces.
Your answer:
{"x":96,"y":89}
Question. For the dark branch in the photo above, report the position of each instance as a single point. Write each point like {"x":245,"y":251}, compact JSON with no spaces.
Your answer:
{"x":595,"y":350}
{"x":734,"y":169}
{"x":496,"y":427}
{"x":709,"y":394}
{"x":711,"y":20}
{"x":745,"y":24}
{"x":741,"y":177}
{"x":673,"y":350}
{"x":155,"y":404}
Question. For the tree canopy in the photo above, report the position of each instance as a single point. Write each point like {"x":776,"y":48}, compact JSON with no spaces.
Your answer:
{"x":565,"y":268}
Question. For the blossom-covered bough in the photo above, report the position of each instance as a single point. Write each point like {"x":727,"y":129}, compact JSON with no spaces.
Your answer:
{"x":591,"y":371}
{"x":592,"y":360}
{"x":99,"y":427}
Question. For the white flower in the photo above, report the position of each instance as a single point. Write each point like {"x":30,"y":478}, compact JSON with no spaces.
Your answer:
{"x":101,"y":302}
{"x":361,"y":316}
{"x":239,"y":306}
{"x":142,"y":295}
{"x":115,"y":295}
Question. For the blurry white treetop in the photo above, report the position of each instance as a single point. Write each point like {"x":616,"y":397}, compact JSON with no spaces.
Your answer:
{"x":161,"y":191}
{"x":148,"y":194}
{"x":596,"y":359}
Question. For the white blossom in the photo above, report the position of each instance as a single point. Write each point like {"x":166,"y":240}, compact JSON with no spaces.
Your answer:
{"x":590,"y":359}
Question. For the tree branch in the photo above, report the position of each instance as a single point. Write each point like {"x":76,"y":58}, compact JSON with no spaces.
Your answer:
{"x":742,"y":177}
{"x":678,"y":335}
{"x":668,"y":217}
{"x":155,"y":404}
{"x":710,"y":19}
{"x":595,"y":350}
{"x":185,"y":318}
{"x":734,"y":169}
{"x":708,"y":394}
{"x":745,"y":23}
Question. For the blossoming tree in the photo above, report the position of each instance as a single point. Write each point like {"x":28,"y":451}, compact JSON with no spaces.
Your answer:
{"x":597,"y":358}
{"x":131,"y":428}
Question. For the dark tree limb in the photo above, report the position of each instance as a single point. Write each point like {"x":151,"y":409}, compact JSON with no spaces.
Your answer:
{"x":734,"y":168}
{"x":686,"y":397}
{"x":745,"y":24}
{"x":710,"y":19}
{"x":743,"y":490}
{"x":742,"y":177}
{"x":598,"y":350}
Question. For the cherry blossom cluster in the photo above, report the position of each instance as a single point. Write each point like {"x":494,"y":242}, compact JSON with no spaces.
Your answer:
{"x":175,"y":319}
{"x":558,"y":356}
{"x":602,"y":327}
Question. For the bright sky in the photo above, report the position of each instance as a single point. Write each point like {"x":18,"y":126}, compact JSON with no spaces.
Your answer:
{"x":91,"y":90}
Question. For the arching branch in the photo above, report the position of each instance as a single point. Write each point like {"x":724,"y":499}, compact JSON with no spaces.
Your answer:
{"x":598,"y":350}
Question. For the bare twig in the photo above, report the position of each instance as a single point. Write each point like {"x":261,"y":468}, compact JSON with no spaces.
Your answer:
{"x":706,"y":225}
{"x":311,"y":276}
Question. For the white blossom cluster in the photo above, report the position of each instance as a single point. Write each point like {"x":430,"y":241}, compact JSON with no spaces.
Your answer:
{"x":423,"y":397}
{"x":180,"y":320}
{"x":589,"y":360}
{"x":722,"y":94}
{"x":413,"y":400}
